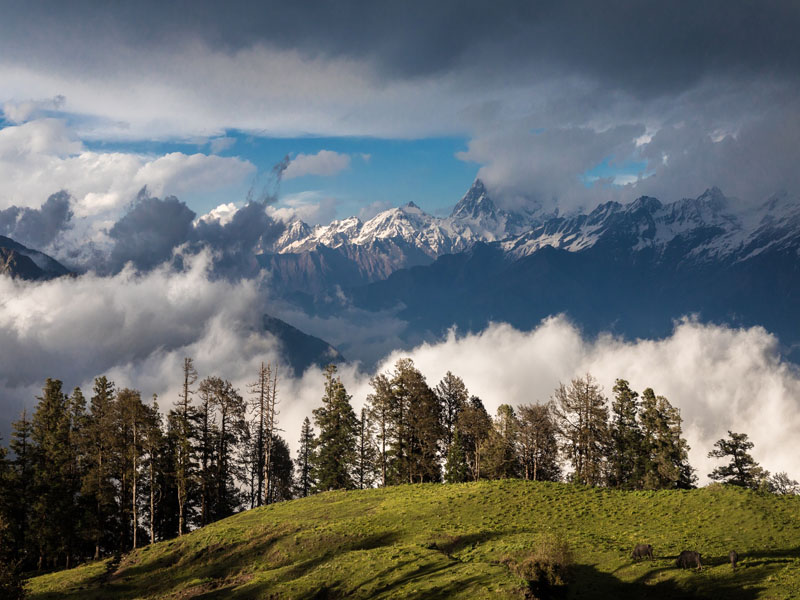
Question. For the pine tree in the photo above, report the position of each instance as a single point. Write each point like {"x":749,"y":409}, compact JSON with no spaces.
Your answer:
{"x":281,"y":472}
{"x":334,"y":455}
{"x":52,"y":506}
{"x":455,"y":468}
{"x":453,"y":396}
{"x":97,"y":485}
{"x":582,"y":419}
{"x":11,"y":583}
{"x":625,"y":456}
{"x":230,"y":408}
{"x":538,"y":446}
{"x":132,"y":417}
{"x":665,"y":452}
{"x":502,"y":461}
{"x":379,"y":405}
{"x":154,"y":446}
{"x":21,"y":484}
{"x":474,"y":425}
{"x":305,"y":460}
{"x":184,"y":432}
{"x":366,"y":453}
{"x":742,"y":470}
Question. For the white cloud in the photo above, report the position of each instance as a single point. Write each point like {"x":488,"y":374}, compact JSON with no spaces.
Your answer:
{"x":137,"y":329}
{"x":311,"y":206}
{"x":222,"y":213}
{"x":720,"y":378}
{"x":324,"y":163}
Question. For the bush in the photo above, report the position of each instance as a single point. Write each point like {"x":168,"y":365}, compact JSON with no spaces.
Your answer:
{"x":546,"y":565}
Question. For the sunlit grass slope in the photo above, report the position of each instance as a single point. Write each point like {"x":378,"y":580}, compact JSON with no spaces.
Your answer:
{"x":454,"y":541}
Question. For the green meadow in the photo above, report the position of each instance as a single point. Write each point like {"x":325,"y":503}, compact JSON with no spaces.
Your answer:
{"x":464,"y":541}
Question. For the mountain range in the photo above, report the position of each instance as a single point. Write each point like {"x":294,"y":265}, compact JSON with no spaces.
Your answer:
{"x":631,"y":269}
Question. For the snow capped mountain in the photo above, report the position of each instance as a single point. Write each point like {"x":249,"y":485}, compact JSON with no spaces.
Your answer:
{"x":710,"y":227}
{"x":474,"y":218}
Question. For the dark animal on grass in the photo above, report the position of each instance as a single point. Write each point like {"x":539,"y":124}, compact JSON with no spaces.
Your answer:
{"x":689,"y":559}
{"x":642,"y":551}
{"x":734,"y":558}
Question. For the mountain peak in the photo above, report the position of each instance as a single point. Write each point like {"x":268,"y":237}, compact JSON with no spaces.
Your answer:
{"x":475,"y":203}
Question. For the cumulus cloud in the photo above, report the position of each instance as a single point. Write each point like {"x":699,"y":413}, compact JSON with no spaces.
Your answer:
{"x":324,"y":163}
{"x":37,"y":228}
{"x":721,"y":378}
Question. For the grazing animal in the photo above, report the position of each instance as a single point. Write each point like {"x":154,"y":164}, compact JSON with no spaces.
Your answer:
{"x":641,"y":551}
{"x":734,"y":558}
{"x":689,"y":559}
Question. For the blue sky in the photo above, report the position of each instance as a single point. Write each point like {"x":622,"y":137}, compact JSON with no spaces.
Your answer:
{"x":387,"y":171}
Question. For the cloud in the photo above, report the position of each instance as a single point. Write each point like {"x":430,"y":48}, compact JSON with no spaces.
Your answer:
{"x":312,"y":207}
{"x":221,"y":144}
{"x":137,"y":328}
{"x":37,"y":228}
{"x":324,"y":163}
{"x":720,"y":378}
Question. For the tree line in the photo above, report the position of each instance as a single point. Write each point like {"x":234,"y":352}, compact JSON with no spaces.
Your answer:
{"x":97,"y":477}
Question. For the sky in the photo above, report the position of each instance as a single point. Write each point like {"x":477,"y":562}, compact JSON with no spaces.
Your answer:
{"x":115,"y":116}
{"x":551,"y":104}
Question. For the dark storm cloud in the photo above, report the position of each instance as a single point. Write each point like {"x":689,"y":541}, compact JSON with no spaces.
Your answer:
{"x":34,"y":227}
{"x":642,"y":47}
{"x":148,"y":233}
{"x":153,"y":228}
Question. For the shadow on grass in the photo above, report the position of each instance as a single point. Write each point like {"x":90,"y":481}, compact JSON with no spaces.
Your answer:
{"x":589,"y":583}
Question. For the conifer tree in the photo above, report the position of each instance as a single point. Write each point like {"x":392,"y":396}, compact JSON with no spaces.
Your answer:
{"x":334,"y":455}
{"x":132,"y":416}
{"x":97,"y":486}
{"x":502,"y":460}
{"x":665,"y":452}
{"x":742,"y":470}
{"x":474,"y":425}
{"x":366,"y":453}
{"x":453,"y":396}
{"x":379,"y":405}
{"x":230,"y":409}
{"x":305,"y":460}
{"x":455,"y":468}
{"x":625,"y":456}
{"x":154,"y":445}
{"x":582,"y":419}
{"x":184,"y":432}
{"x":538,"y":446}
{"x":281,"y":471}
{"x":21,"y":485}
{"x":55,"y":507}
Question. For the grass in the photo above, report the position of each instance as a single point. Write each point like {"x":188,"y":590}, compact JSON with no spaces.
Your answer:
{"x":462,"y":541}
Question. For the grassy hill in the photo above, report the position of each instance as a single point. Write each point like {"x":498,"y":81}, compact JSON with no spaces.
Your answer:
{"x":464,"y":541}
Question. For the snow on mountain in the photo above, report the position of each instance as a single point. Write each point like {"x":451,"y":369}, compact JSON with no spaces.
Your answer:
{"x":475,"y":218}
{"x":710,"y":227}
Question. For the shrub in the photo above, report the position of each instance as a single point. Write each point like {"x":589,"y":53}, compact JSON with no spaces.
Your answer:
{"x":546,"y":565}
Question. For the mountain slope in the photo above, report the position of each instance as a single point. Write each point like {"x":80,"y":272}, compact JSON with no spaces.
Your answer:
{"x":17,"y":260}
{"x":462,"y":541}
{"x":300,"y":349}
{"x":632,"y":270}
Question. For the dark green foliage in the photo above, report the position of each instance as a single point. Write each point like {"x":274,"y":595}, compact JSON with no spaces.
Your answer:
{"x":282,"y":472}
{"x":742,"y":470}
{"x":538,"y":447}
{"x":11,"y":587}
{"x":366,"y":452}
{"x":625,"y":456}
{"x":306,"y":480}
{"x":665,"y":452}
{"x":502,"y":457}
{"x":474,"y":425}
{"x":455,"y":469}
{"x":334,"y":455}
{"x":453,"y":396}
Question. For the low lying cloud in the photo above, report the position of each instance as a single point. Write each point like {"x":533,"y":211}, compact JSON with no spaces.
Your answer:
{"x":324,"y":163}
{"x":137,"y":328}
{"x":721,"y":378}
